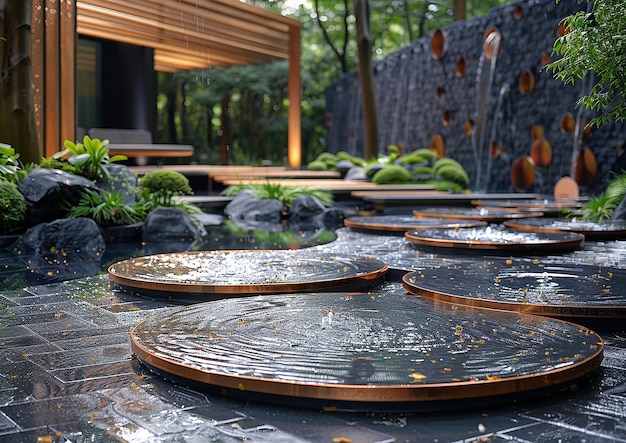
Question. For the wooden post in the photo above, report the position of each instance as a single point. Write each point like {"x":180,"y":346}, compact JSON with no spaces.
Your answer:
{"x":294,"y":128}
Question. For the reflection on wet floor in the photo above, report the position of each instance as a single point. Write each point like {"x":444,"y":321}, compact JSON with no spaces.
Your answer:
{"x":67,"y":373}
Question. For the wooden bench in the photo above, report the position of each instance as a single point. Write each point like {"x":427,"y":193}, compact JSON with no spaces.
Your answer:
{"x":137,"y":144}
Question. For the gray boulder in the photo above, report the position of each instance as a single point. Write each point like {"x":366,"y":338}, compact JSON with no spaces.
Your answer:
{"x":63,"y":249}
{"x":247,"y":206}
{"x":356,"y":173}
{"x":50,"y":192}
{"x":120,"y":179}
{"x":165,"y":224}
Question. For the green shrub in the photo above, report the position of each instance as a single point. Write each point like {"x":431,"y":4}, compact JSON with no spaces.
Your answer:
{"x":343,"y":155}
{"x":329,"y":159}
{"x":285,"y":194}
{"x":317,"y":165}
{"x":392,"y":174}
{"x":168,"y":182}
{"x":419,"y":156}
{"x":158,"y":188}
{"x":12,"y":208}
{"x":444,"y":162}
{"x":454,"y":174}
{"x":423,"y":170}
{"x":106,"y":209}
{"x":89,"y":157}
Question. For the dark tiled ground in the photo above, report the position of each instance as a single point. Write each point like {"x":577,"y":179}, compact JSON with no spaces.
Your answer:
{"x":67,"y":374}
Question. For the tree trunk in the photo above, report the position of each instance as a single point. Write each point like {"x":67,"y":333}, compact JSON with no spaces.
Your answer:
{"x":18,"y":126}
{"x":364,"y":44}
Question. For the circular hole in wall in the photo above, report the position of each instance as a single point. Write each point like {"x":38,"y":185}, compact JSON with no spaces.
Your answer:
{"x":545,"y":59}
{"x":445,"y":120}
{"x":526,"y":82}
{"x":536,"y":132}
{"x":541,"y":152}
{"x":522,"y":173}
{"x":568,"y":123}
{"x":492,"y":42}
{"x":437,"y":145}
{"x":461,"y":66}
{"x":561,"y":30}
{"x":586,"y":167}
{"x":468,"y":126}
{"x":437,"y":44}
{"x":438,"y":92}
{"x":518,"y":12}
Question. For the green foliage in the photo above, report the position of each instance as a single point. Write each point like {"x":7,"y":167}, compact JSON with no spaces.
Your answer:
{"x":53,"y":163}
{"x":455,"y":174}
{"x":602,"y":206}
{"x":12,"y":208}
{"x":11,"y":168}
{"x":89,"y":157}
{"x":597,"y":209}
{"x":595,"y":42}
{"x":166,"y":182}
{"x":160,"y":188}
{"x":106,"y":209}
{"x":419,"y":156}
{"x":391,"y":174}
{"x":317,"y":165}
{"x":285,"y":194}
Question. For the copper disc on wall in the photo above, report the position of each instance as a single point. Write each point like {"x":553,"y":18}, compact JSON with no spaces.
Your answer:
{"x":526,"y":82}
{"x":568,"y":123}
{"x":536,"y":132}
{"x":363,"y":351}
{"x":522,"y":173}
{"x":437,"y":144}
{"x":586,"y":167}
{"x":437,"y":44}
{"x":541,"y":152}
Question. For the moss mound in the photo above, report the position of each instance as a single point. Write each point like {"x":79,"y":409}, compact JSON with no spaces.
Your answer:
{"x":170,"y":182}
{"x":391,"y":174}
{"x":12,"y":208}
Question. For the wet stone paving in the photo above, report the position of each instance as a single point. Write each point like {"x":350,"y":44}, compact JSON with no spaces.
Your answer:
{"x":67,"y":374}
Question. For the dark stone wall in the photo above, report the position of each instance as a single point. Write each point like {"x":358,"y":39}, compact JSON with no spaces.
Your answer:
{"x":420,"y":97}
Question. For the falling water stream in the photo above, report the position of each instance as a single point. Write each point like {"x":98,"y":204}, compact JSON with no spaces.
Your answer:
{"x":484,"y":80}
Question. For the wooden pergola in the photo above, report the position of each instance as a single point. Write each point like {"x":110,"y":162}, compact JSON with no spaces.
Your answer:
{"x":185,"y":35}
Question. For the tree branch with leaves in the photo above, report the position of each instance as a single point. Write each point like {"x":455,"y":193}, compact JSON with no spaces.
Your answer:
{"x":595,"y":42}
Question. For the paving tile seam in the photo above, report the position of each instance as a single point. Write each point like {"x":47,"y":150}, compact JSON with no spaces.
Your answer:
{"x":577,"y":429}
